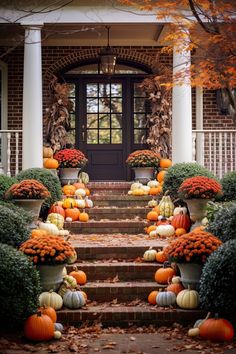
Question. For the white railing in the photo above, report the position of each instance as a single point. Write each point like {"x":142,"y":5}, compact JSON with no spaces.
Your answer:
{"x":10,"y":142}
{"x":216,"y":150}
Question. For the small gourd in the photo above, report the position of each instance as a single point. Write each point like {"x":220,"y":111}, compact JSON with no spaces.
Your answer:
{"x":80,"y":203}
{"x":88,"y":202}
{"x":146,"y":189}
{"x":176,"y":280}
{"x":57,"y":334}
{"x":166,"y":206}
{"x":68,"y":219}
{"x":58,"y":327}
{"x":136,"y":185}
{"x":153,"y":233}
{"x":188,"y":299}
{"x":166,"y":298}
{"x":80,"y":192}
{"x":193,"y":332}
{"x":63,"y":233}
{"x":71,"y":281}
{"x":83,"y":178}
{"x":138,"y":192}
{"x":74,"y":299}
{"x":152,"y":203}
{"x":153,"y":183}
{"x":150,"y":255}
{"x":179,"y":210}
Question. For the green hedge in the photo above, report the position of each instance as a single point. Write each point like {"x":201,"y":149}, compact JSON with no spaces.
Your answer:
{"x":5,"y":183}
{"x":229,"y":186}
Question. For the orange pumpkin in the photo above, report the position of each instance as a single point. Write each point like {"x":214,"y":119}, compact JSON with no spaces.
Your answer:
{"x":152,"y":297}
{"x":80,"y":276}
{"x":49,"y":311}
{"x":72,"y":213}
{"x":165,"y":274}
{"x":56,"y":208}
{"x":156,"y":209}
{"x":161,"y":176}
{"x":180,"y":231}
{"x":150,"y":228}
{"x":38,"y":232}
{"x":165,"y":163}
{"x":39,"y":327}
{"x":161,"y":257}
{"x":87,"y":191}
{"x":155,"y":190}
{"x":176,"y":288}
{"x":51,"y":163}
{"x":84,"y":217}
{"x":78,"y":185}
{"x":181,"y":220}
{"x":84,"y":295}
{"x":152,"y":216}
{"x":69,"y":190}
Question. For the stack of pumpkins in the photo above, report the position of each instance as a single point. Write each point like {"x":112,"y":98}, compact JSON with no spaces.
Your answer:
{"x":42,"y":326}
{"x":48,"y":160}
{"x":166,"y":220}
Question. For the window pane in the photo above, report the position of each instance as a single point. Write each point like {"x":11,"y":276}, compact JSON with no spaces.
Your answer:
{"x":116,"y":120}
{"x":116,"y":136}
{"x":104,"y":121}
{"x":72,"y":120}
{"x":116,"y":90}
{"x":92,"y":90}
{"x":104,"y":105}
{"x":92,"y":136}
{"x":92,"y":121}
{"x":139,"y":105}
{"x":104,"y":90}
{"x":72,"y":90}
{"x":138,"y":91}
{"x":92,"y":105}
{"x":72,"y":104}
{"x":104,"y":136}
{"x":139,"y":120}
{"x":70,"y":137}
{"x":139,"y":136}
{"x":116,"y":105}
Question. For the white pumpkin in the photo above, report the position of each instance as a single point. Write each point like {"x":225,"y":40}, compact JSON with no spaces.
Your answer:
{"x":56,"y":219}
{"x":153,"y":233}
{"x":176,"y":280}
{"x":80,"y":203}
{"x":166,"y":298}
{"x":74,"y":299}
{"x":50,"y":228}
{"x":150,"y":255}
{"x":80,"y":192}
{"x":50,"y":298}
{"x":165,"y":230}
{"x":152,"y":203}
{"x":188,"y":299}
{"x":146,"y":189}
{"x":153,"y":183}
{"x":136,"y":185}
{"x":179,"y":210}
{"x":130,"y":192}
{"x":88,"y":203}
{"x":64,"y":233}
{"x":68,"y":219}
{"x":193,"y":332}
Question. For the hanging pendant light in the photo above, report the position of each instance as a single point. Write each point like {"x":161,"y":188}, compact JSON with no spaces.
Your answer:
{"x":107,"y":57}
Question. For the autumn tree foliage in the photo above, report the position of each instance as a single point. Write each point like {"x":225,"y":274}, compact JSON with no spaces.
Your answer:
{"x":208,"y":29}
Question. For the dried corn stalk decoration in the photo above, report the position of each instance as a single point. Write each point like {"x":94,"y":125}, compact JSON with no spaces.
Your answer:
{"x":159,"y":120}
{"x":57,"y":118}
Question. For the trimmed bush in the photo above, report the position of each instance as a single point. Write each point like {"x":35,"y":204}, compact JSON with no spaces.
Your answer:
{"x":48,"y":180}
{"x":179,"y":172}
{"x":20,"y":211}
{"x":224,"y":224}
{"x":229,"y":186}
{"x":217,"y":283}
{"x":20,"y":287}
{"x":13,"y":227}
{"x":5,"y":183}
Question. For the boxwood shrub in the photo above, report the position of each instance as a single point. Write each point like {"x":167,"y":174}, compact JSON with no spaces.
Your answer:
{"x":20,"y":287}
{"x":20,"y":211}
{"x":179,"y":172}
{"x":48,"y":180}
{"x":13,"y":228}
{"x":229,"y":186}
{"x":217,"y":283}
{"x":5,"y":183}
{"x":224,"y":224}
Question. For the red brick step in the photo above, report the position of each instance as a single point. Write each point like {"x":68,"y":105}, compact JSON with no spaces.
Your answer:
{"x":110,"y":226}
{"x":120,"y":200}
{"x":113,"y":213}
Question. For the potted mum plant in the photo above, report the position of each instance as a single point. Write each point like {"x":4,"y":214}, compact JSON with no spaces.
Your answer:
{"x":70,"y":163}
{"x":143,"y":163}
{"x":190,"y":252}
{"x":28,"y":194}
{"x":49,"y":254}
{"x":197,"y":192}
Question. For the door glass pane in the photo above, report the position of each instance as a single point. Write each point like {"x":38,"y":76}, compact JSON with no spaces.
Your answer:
{"x":92,"y":105}
{"x":104,"y":136}
{"x":70,"y":137}
{"x":116,"y":136}
{"x":116,"y":105}
{"x":104,"y":121}
{"x":92,"y":136}
{"x":139,"y":120}
{"x":116,"y":120}
{"x":92,"y":90}
{"x":139,"y":105}
{"x":104,"y":90}
{"x":104,"y":104}
{"x":116,"y":90}
{"x":71,"y":90}
{"x":72,"y":120}
{"x":92,"y":121}
{"x":139,"y":136}
{"x":138,"y":91}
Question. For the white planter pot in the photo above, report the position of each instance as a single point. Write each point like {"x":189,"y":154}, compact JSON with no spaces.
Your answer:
{"x":68,"y":175}
{"x":32,"y":206}
{"x":51,"y":276}
{"x":190,"y":274}
{"x":197,"y":210}
{"x":143,"y":174}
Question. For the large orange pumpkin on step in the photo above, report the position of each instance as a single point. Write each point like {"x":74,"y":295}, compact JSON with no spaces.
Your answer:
{"x":165,"y":274}
{"x":39,"y":327}
{"x":80,"y":276}
{"x":216,"y":329}
{"x":176,"y":288}
{"x":84,"y":217}
{"x":72,"y":213}
{"x":152,"y":216}
{"x":181,"y":220}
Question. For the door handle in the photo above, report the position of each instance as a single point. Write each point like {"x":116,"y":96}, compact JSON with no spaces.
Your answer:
{"x":83,"y":136}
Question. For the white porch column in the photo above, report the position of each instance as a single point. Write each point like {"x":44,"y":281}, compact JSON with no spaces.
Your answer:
{"x":32,"y":99}
{"x":182,"y":110}
{"x":199,"y":126}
